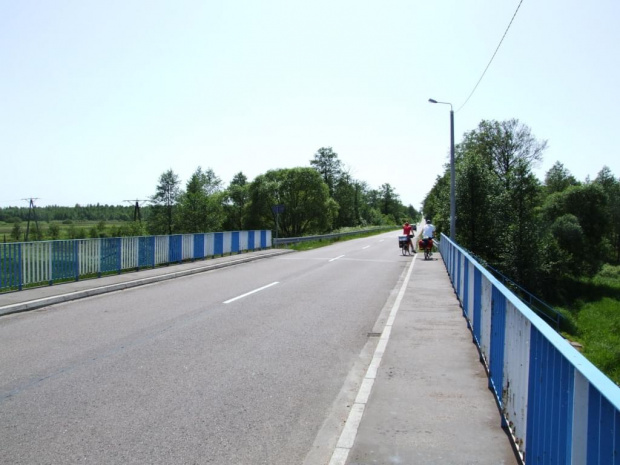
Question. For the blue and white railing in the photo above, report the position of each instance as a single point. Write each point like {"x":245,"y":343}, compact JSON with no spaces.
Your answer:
{"x":559,"y":408}
{"x":48,"y":262}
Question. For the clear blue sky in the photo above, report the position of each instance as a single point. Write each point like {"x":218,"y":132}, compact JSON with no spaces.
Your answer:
{"x":97,"y":99}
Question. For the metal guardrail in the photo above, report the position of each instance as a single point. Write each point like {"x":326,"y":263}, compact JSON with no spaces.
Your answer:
{"x":48,"y":262}
{"x":295,"y":240}
{"x":557,"y":406}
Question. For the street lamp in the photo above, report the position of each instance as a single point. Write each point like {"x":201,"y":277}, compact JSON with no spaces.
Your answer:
{"x":452,"y":174}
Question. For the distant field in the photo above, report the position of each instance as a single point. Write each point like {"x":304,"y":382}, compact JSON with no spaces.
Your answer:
{"x":86,"y":226}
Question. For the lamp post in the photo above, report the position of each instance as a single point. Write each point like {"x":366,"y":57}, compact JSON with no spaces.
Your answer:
{"x":452,"y":173}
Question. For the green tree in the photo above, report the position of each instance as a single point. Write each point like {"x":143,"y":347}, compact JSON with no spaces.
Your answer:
{"x":328,"y":165}
{"x":53,"y":231}
{"x":16,"y":231}
{"x":390,"y":204}
{"x":611,"y":187}
{"x":346,"y":194}
{"x":476,"y":195}
{"x":164,"y":200}
{"x":558,"y":179}
{"x":588,"y":204}
{"x":200,"y":206}
{"x":503,"y":145}
{"x":237,"y":200}
{"x":521,"y":230}
{"x":308,"y":208}
{"x":436,"y":205}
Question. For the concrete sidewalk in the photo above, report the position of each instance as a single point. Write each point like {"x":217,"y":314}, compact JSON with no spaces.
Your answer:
{"x":14,"y":302}
{"x":430,"y":402}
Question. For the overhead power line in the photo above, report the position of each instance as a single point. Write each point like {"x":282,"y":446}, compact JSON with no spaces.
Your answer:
{"x":491,"y":60}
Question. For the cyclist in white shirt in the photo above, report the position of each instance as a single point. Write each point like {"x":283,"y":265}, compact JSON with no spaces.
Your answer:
{"x":428,"y":231}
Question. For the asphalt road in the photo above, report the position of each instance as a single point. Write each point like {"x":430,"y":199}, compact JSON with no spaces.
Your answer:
{"x":252,"y":364}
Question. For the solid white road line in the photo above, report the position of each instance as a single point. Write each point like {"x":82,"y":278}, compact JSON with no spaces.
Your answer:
{"x":251,"y":292}
{"x":349,"y":432}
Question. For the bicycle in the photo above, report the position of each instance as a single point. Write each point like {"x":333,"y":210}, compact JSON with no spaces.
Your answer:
{"x":427,"y":246}
{"x":405,"y":245}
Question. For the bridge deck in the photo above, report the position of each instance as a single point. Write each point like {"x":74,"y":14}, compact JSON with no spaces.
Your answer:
{"x":429,"y":403}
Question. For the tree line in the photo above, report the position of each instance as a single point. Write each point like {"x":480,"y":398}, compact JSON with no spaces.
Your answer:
{"x":541,"y":234}
{"x":315,"y":199}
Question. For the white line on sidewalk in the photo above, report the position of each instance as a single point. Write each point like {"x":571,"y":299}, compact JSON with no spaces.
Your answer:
{"x":349,"y":432}
{"x":251,"y":292}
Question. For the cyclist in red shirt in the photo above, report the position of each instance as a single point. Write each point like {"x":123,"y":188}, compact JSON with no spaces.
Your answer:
{"x":408,"y":231}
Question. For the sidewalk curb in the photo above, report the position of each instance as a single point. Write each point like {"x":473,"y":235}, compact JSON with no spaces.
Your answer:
{"x":47,"y":301}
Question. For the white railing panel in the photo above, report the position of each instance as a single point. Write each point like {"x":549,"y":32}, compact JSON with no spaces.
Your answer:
{"x":162,"y":244}
{"x":243,"y":240}
{"x":36,"y":262}
{"x":89,"y":253}
{"x":580,"y":419}
{"x":227,"y":242}
{"x":209,"y":244}
{"x":485,"y":318}
{"x":129,"y":253}
{"x":470,"y":296}
{"x":516,"y":373}
{"x":187,"y":247}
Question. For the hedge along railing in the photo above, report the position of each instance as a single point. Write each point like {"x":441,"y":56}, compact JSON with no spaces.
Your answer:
{"x":40,"y":263}
{"x":558,"y":407}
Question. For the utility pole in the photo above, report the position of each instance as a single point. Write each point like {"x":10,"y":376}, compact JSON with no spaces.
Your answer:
{"x":136,"y":211}
{"x":32,"y":211}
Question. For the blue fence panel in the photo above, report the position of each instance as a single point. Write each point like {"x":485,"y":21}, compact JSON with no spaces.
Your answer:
{"x":218,"y":246}
{"x":10,"y":268}
{"x":498,"y":330}
{"x":603,"y":430}
{"x":175,"y":249}
{"x":466,"y":306}
{"x":234,"y":246}
{"x":199,"y":246}
{"x":263,"y":240}
{"x":110,"y":259}
{"x":477,"y":305}
{"x":458,"y":274}
{"x":64,"y":260}
{"x":146,"y":252}
{"x":251,"y":245}
{"x":550,"y":406}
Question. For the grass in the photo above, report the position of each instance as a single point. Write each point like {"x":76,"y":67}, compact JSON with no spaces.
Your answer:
{"x":598,"y":328}
{"x":84,"y":226}
{"x":595,"y":321}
